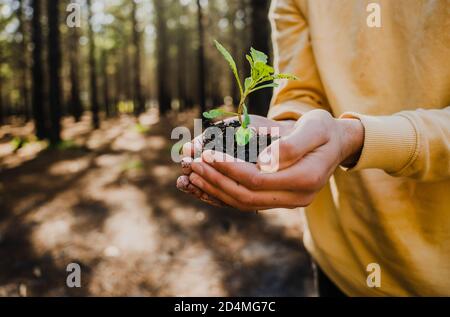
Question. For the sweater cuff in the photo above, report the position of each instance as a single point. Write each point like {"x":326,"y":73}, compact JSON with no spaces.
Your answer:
{"x":291,"y":110}
{"x":390,"y":142}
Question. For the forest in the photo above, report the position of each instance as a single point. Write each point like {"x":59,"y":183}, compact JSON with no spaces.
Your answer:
{"x":124,"y":57}
{"x":89,"y":92}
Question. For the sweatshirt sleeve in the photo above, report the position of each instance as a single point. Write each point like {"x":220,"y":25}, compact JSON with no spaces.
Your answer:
{"x":413,"y":144}
{"x":293,"y":54}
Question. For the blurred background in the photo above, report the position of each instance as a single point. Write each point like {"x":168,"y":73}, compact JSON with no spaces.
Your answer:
{"x":85,"y":170}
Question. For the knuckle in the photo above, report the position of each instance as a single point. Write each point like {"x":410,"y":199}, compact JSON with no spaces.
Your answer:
{"x":308,"y":199}
{"x":256,"y":181}
{"x":305,"y":201}
{"x":247,"y":200}
{"x":312,"y":180}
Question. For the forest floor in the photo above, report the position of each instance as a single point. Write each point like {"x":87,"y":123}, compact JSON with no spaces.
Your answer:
{"x":108,"y":202}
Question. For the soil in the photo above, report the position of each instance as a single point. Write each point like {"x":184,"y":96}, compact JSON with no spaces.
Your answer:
{"x":241,"y":152}
{"x":110,"y":204}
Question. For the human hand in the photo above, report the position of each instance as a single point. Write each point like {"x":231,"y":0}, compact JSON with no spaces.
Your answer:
{"x":308,"y":156}
{"x":195,"y":148}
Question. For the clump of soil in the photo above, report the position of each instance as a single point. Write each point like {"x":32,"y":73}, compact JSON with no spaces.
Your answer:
{"x":242,"y":152}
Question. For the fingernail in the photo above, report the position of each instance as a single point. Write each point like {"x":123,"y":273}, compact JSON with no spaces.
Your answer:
{"x":186,"y":165}
{"x":186,"y":162}
{"x":183,"y":183}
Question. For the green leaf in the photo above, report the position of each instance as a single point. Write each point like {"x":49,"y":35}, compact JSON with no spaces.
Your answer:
{"x":250,"y":60}
{"x":248,"y":83}
{"x":243,"y":136}
{"x":285,"y":76}
{"x":261,"y":71}
{"x":215,"y":113}
{"x":230,"y":61}
{"x":272,"y":85}
{"x":258,"y":56}
{"x":247,"y":120}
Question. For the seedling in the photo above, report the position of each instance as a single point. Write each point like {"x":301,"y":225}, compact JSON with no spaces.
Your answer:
{"x":262,"y":76}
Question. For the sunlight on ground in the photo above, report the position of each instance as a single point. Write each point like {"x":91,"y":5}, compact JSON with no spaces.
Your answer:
{"x":164,"y":174}
{"x":130,"y":141}
{"x":69,"y":166}
{"x":156,"y":143}
{"x":115,"y":210}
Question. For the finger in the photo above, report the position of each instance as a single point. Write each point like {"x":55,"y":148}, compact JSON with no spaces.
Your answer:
{"x":303,"y":177}
{"x":242,"y":172}
{"x":290,"y":149}
{"x":183,"y":183}
{"x":218,"y":194}
{"x":186,"y":165}
{"x":212,"y":201}
{"x":242,"y":195}
{"x":187,"y":187}
{"x":310,"y":174}
{"x":195,"y":191}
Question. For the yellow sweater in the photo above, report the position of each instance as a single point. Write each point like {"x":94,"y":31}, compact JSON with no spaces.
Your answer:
{"x":393,"y":208}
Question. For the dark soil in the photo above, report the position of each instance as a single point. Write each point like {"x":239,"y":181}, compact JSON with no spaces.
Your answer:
{"x":241,"y":152}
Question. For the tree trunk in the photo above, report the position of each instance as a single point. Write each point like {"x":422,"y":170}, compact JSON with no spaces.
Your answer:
{"x":259,"y":103}
{"x":201,"y":58}
{"x":106,"y":101}
{"x":37,"y":73}
{"x":234,"y":50}
{"x":191,"y":72}
{"x":139,"y":102}
{"x":126,"y":73}
{"x":76,"y":107}
{"x":54,"y":67}
{"x":181,"y":66}
{"x":93,"y":71}
{"x":246,"y":38}
{"x":164,"y":98}
{"x":118,"y":87}
{"x":23,"y":62}
{"x":1,"y":99}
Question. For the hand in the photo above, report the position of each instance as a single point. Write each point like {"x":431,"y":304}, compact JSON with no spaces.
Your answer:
{"x":196,"y":147}
{"x":308,"y":156}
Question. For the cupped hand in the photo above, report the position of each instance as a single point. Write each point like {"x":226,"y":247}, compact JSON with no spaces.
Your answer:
{"x":195,"y":148}
{"x":307,"y":157}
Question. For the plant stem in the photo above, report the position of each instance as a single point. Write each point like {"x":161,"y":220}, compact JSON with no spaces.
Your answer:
{"x":241,"y":107}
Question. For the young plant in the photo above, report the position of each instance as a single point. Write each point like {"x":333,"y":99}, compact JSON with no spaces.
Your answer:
{"x":262,"y":76}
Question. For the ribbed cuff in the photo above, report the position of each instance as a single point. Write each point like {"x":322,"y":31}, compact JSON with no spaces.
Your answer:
{"x":390,"y":142}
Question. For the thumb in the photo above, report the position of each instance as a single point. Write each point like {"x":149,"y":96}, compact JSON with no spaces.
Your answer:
{"x":288,"y":150}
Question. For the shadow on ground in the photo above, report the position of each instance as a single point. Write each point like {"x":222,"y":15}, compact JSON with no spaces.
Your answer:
{"x":110,"y":205}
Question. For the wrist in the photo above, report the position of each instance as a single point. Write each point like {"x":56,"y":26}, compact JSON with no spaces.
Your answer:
{"x":352,"y":141}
